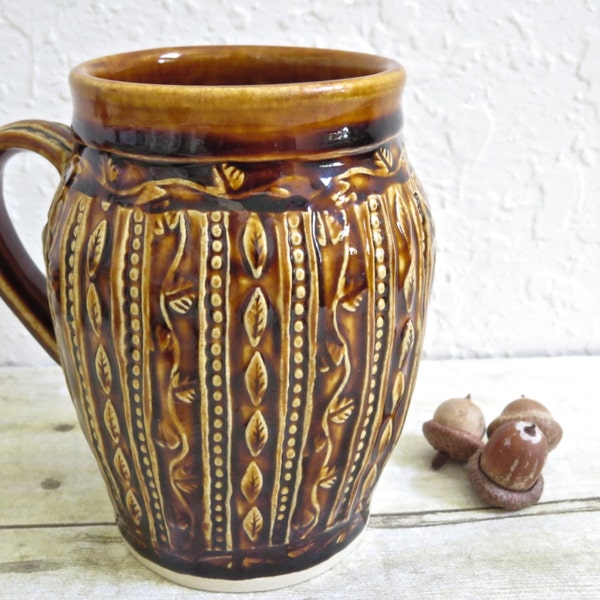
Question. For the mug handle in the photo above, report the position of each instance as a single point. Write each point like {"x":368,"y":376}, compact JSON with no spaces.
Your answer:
{"x":22,"y":286}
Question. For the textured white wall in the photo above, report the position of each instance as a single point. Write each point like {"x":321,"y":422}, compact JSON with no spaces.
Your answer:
{"x":502,"y":123}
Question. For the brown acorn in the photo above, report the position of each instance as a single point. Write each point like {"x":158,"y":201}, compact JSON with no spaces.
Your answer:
{"x":527,"y":409}
{"x":455,"y":431}
{"x":507,"y":471}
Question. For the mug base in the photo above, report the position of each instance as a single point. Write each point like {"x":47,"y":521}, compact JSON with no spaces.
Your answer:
{"x":257,"y":584}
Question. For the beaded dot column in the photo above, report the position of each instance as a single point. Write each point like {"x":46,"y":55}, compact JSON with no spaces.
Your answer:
{"x":381,"y":275}
{"x":135,"y":381}
{"x":300,"y":365}
{"x":215,"y":381}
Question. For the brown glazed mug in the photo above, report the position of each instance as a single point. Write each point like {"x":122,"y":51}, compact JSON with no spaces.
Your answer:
{"x":239,"y":259}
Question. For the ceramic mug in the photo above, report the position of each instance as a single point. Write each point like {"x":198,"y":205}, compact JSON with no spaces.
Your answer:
{"x":239,"y":259}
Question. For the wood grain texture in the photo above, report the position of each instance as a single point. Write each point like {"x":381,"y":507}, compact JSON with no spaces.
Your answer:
{"x":428,"y":537}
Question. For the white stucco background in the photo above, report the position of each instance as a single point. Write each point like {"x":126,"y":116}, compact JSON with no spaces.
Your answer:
{"x":502,"y":124}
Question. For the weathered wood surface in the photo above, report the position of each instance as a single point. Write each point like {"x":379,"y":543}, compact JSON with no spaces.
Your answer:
{"x":429,"y":536}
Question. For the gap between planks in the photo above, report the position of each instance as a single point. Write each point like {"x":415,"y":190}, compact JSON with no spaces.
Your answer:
{"x":461,"y":516}
{"x":408,"y":520}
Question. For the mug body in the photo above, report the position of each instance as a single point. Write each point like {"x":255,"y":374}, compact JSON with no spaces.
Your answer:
{"x":239,"y":262}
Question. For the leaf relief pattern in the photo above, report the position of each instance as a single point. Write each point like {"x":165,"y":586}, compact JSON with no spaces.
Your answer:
{"x":255,"y":317}
{"x":256,"y":378}
{"x":253,"y":523}
{"x":407,"y":343}
{"x":398,"y":388}
{"x":257,"y":433}
{"x":111,"y":421}
{"x":182,"y":304}
{"x":369,"y":481}
{"x":122,"y":467}
{"x":384,"y":159}
{"x":234,"y":176}
{"x":134,"y":507}
{"x":409,"y":286}
{"x":328,"y":477}
{"x":340,"y":409}
{"x":103,"y":369}
{"x":94,"y":309}
{"x":96,"y":247}
{"x":252,"y":482}
{"x":254,"y":242}
{"x":386,"y":437}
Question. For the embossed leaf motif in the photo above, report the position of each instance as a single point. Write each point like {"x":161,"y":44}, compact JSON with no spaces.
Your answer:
{"x":257,"y":433}
{"x":320,"y":232}
{"x":187,"y":396}
{"x":103,"y":369}
{"x":182,"y":302}
{"x":370,"y":481}
{"x":386,"y":437}
{"x":253,"y":523}
{"x":252,"y":482}
{"x":235,"y":177}
{"x":337,"y":226}
{"x":398,"y":388}
{"x":96,"y":247}
{"x":340,"y":409}
{"x":342,"y":194}
{"x":122,"y":467}
{"x":254,"y":242}
{"x":351,"y":303}
{"x":134,"y":507}
{"x":327,"y":477}
{"x":409,"y":286}
{"x":168,"y":221}
{"x":407,"y":342}
{"x":256,"y":378}
{"x":384,"y":159}
{"x":184,"y":480}
{"x":111,"y":421}
{"x":92,"y":303}
{"x":255,"y":317}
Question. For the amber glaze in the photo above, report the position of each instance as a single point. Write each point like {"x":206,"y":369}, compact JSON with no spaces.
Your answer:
{"x":230,"y":102}
{"x":239,"y":259}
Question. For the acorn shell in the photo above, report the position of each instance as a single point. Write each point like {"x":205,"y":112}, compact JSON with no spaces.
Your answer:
{"x":461,"y":413}
{"x":514,"y":456}
{"x":526,"y":409}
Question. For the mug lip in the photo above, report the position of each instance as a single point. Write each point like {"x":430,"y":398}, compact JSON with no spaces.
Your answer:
{"x":237,"y":120}
{"x":92,"y":69}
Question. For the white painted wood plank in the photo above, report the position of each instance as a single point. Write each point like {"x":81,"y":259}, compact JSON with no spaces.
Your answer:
{"x":549,"y":556}
{"x":429,"y":536}
{"x":37,"y":452}
{"x":47,"y":472}
{"x":568,"y":386}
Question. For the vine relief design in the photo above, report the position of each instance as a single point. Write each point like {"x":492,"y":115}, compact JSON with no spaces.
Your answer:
{"x":248,"y":345}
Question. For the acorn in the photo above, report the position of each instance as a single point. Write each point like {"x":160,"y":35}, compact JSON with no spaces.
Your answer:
{"x":527,"y":409}
{"x":507,"y":471}
{"x":456,"y":430}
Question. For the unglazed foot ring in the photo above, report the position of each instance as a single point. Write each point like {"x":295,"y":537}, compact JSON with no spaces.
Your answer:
{"x":256,"y":584}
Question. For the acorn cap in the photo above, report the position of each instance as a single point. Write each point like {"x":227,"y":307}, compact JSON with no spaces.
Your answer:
{"x":494,"y":495}
{"x":526,"y":409}
{"x":454,"y":443}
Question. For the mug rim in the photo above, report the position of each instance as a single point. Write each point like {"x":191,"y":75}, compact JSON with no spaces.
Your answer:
{"x":97,"y":69}
{"x":237,"y":120}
